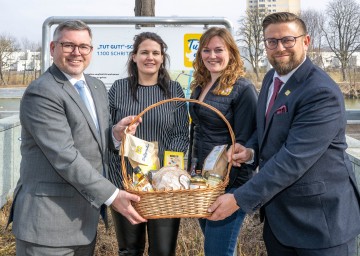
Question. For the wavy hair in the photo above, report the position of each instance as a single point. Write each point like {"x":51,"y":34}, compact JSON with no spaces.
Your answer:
{"x":132,"y":69}
{"x":233,"y":71}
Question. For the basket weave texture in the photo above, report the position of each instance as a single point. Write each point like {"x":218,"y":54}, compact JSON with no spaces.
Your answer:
{"x":185,"y":203}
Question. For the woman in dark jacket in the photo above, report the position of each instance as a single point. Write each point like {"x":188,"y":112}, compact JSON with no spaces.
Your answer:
{"x":219,"y":81}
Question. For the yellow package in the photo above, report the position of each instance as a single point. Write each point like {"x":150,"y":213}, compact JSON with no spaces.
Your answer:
{"x":173,"y":158}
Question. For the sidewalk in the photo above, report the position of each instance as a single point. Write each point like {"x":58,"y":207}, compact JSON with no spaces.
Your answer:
{"x":9,"y":93}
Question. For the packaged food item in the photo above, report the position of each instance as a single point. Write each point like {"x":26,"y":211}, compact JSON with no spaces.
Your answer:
{"x":141,"y":182}
{"x":197,"y":182}
{"x":216,"y":162}
{"x":155,"y":162}
{"x":173,"y":158}
{"x":193,"y":166}
{"x":140,"y":151}
{"x":214,"y":180}
{"x":170,"y":178}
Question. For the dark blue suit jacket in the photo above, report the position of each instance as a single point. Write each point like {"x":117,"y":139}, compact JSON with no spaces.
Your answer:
{"x":306,"y":185}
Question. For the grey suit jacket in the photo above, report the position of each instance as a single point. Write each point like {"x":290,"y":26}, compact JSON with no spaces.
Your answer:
{"x":305,"y":185}
{"x":61,"y":185}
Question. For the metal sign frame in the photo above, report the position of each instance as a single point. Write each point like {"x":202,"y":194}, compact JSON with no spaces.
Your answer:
{"x":124,"y":20}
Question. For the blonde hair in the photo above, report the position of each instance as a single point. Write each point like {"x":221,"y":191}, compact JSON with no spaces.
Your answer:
{"x":233,"y":71}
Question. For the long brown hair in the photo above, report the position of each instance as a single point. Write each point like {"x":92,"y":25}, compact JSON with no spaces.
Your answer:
{"x":163,"y":76}
{"x":233,"y":71}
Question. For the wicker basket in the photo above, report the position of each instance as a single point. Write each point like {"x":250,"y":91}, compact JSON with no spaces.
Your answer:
{"x":184,"y":203}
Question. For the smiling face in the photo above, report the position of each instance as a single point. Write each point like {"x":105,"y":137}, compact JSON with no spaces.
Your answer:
{"x":72,"y":63}
{"x":215,"y":56}
{"x":148,"y":59}
{"x":284,"y":60}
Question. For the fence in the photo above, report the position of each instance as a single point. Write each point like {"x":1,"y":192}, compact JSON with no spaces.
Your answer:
{"x":10,"y":130}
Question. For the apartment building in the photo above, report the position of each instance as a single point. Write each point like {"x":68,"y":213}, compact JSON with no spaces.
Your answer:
{"x":274,"y":5}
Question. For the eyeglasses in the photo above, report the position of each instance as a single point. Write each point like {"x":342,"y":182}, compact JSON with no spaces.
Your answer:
{"x":287,"y":42}
{"x":84,"y":49}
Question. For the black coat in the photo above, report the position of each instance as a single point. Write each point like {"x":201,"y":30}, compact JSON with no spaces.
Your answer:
{"x":209,"y":130}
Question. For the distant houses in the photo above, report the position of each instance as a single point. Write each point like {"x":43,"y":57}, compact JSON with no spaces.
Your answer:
{"x":30,"y":60}
{"x":326,"y":59}
{"x":22,"y":61}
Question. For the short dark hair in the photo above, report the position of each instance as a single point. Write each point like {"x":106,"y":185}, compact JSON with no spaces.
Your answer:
{"x":71,"y":25}
{"x":283,"y":17}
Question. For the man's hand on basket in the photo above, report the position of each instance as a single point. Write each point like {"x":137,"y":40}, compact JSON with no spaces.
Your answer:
{"x":122,"y":204}
{"x":123,"y":124}
{"x":241,"y":154}
{"x":223,"y":207}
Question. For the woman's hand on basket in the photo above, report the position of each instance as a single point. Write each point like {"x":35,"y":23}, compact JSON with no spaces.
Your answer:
{"x":124,"y":124}
{"x":223,"y":207}
{"x":122,"y":204}
{"x":241,"y":154}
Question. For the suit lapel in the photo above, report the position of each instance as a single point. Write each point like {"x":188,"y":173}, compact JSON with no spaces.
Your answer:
{"x":71,"y":91}
{"x":294,"y":83}
{"x":97,"y":101}
{"x":262,"y":106}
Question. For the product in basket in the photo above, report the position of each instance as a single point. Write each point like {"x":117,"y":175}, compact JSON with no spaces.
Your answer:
{"x":173,"y":158}
{"x":216,"y":162}
{"x":170,"y":178}
{"x":141,"y":181}
{"x":214,"y":180}
{"x":197,"y":181}
{"x":183,"y":203}
{"x":155,"y":162}
{"x":138,"y":150}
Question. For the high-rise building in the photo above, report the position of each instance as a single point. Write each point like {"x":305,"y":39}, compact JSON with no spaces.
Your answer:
{"x":271,"y":6}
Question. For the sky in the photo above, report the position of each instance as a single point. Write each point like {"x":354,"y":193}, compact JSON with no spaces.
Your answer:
{"x":23,"y":19}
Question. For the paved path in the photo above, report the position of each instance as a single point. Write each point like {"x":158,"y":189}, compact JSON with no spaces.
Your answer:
{"x":11,"y":92}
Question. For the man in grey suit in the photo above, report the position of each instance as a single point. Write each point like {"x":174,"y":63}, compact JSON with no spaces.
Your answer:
{"x":305,"y":187}
{"x":64,"y":141}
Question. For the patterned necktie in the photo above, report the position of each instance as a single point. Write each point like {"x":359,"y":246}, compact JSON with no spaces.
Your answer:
{"x":277,"y":86}
{"x":80,"y":87}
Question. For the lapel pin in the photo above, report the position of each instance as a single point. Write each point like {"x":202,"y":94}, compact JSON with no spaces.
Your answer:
{"x":287,"y":92}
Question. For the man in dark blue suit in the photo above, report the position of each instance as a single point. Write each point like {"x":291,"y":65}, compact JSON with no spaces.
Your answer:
{"x":305,"y":187}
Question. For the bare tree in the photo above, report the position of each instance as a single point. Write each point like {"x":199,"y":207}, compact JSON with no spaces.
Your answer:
{"x":8,"y":45}
{"x":32,"y":60}
{"x":251,"y":38}
{"x":145,"y":8}
{"x":342,"y":30}
{"x":314,"y":21}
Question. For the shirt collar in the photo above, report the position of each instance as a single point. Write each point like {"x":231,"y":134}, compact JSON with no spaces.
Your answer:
{"x":74,"y":80}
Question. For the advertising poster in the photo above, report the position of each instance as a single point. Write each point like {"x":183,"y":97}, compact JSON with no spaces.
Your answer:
{"x":112,"y":46}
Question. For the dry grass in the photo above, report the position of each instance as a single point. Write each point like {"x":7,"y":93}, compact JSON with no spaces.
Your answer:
{"x":190,"y":240}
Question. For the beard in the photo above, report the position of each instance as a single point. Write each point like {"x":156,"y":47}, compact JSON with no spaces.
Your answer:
{"x":283,"y":68}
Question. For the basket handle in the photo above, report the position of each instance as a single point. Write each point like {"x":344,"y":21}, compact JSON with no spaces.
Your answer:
{"x":127,"y":178}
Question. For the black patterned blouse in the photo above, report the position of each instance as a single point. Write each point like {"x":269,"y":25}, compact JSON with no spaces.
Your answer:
{"x":168,"y":124}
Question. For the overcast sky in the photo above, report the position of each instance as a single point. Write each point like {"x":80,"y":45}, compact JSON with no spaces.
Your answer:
{"x":24,"y":18}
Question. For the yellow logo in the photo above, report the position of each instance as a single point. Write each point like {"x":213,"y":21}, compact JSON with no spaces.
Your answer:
{"x":191,"y":45}
{"x":138,"y":149}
